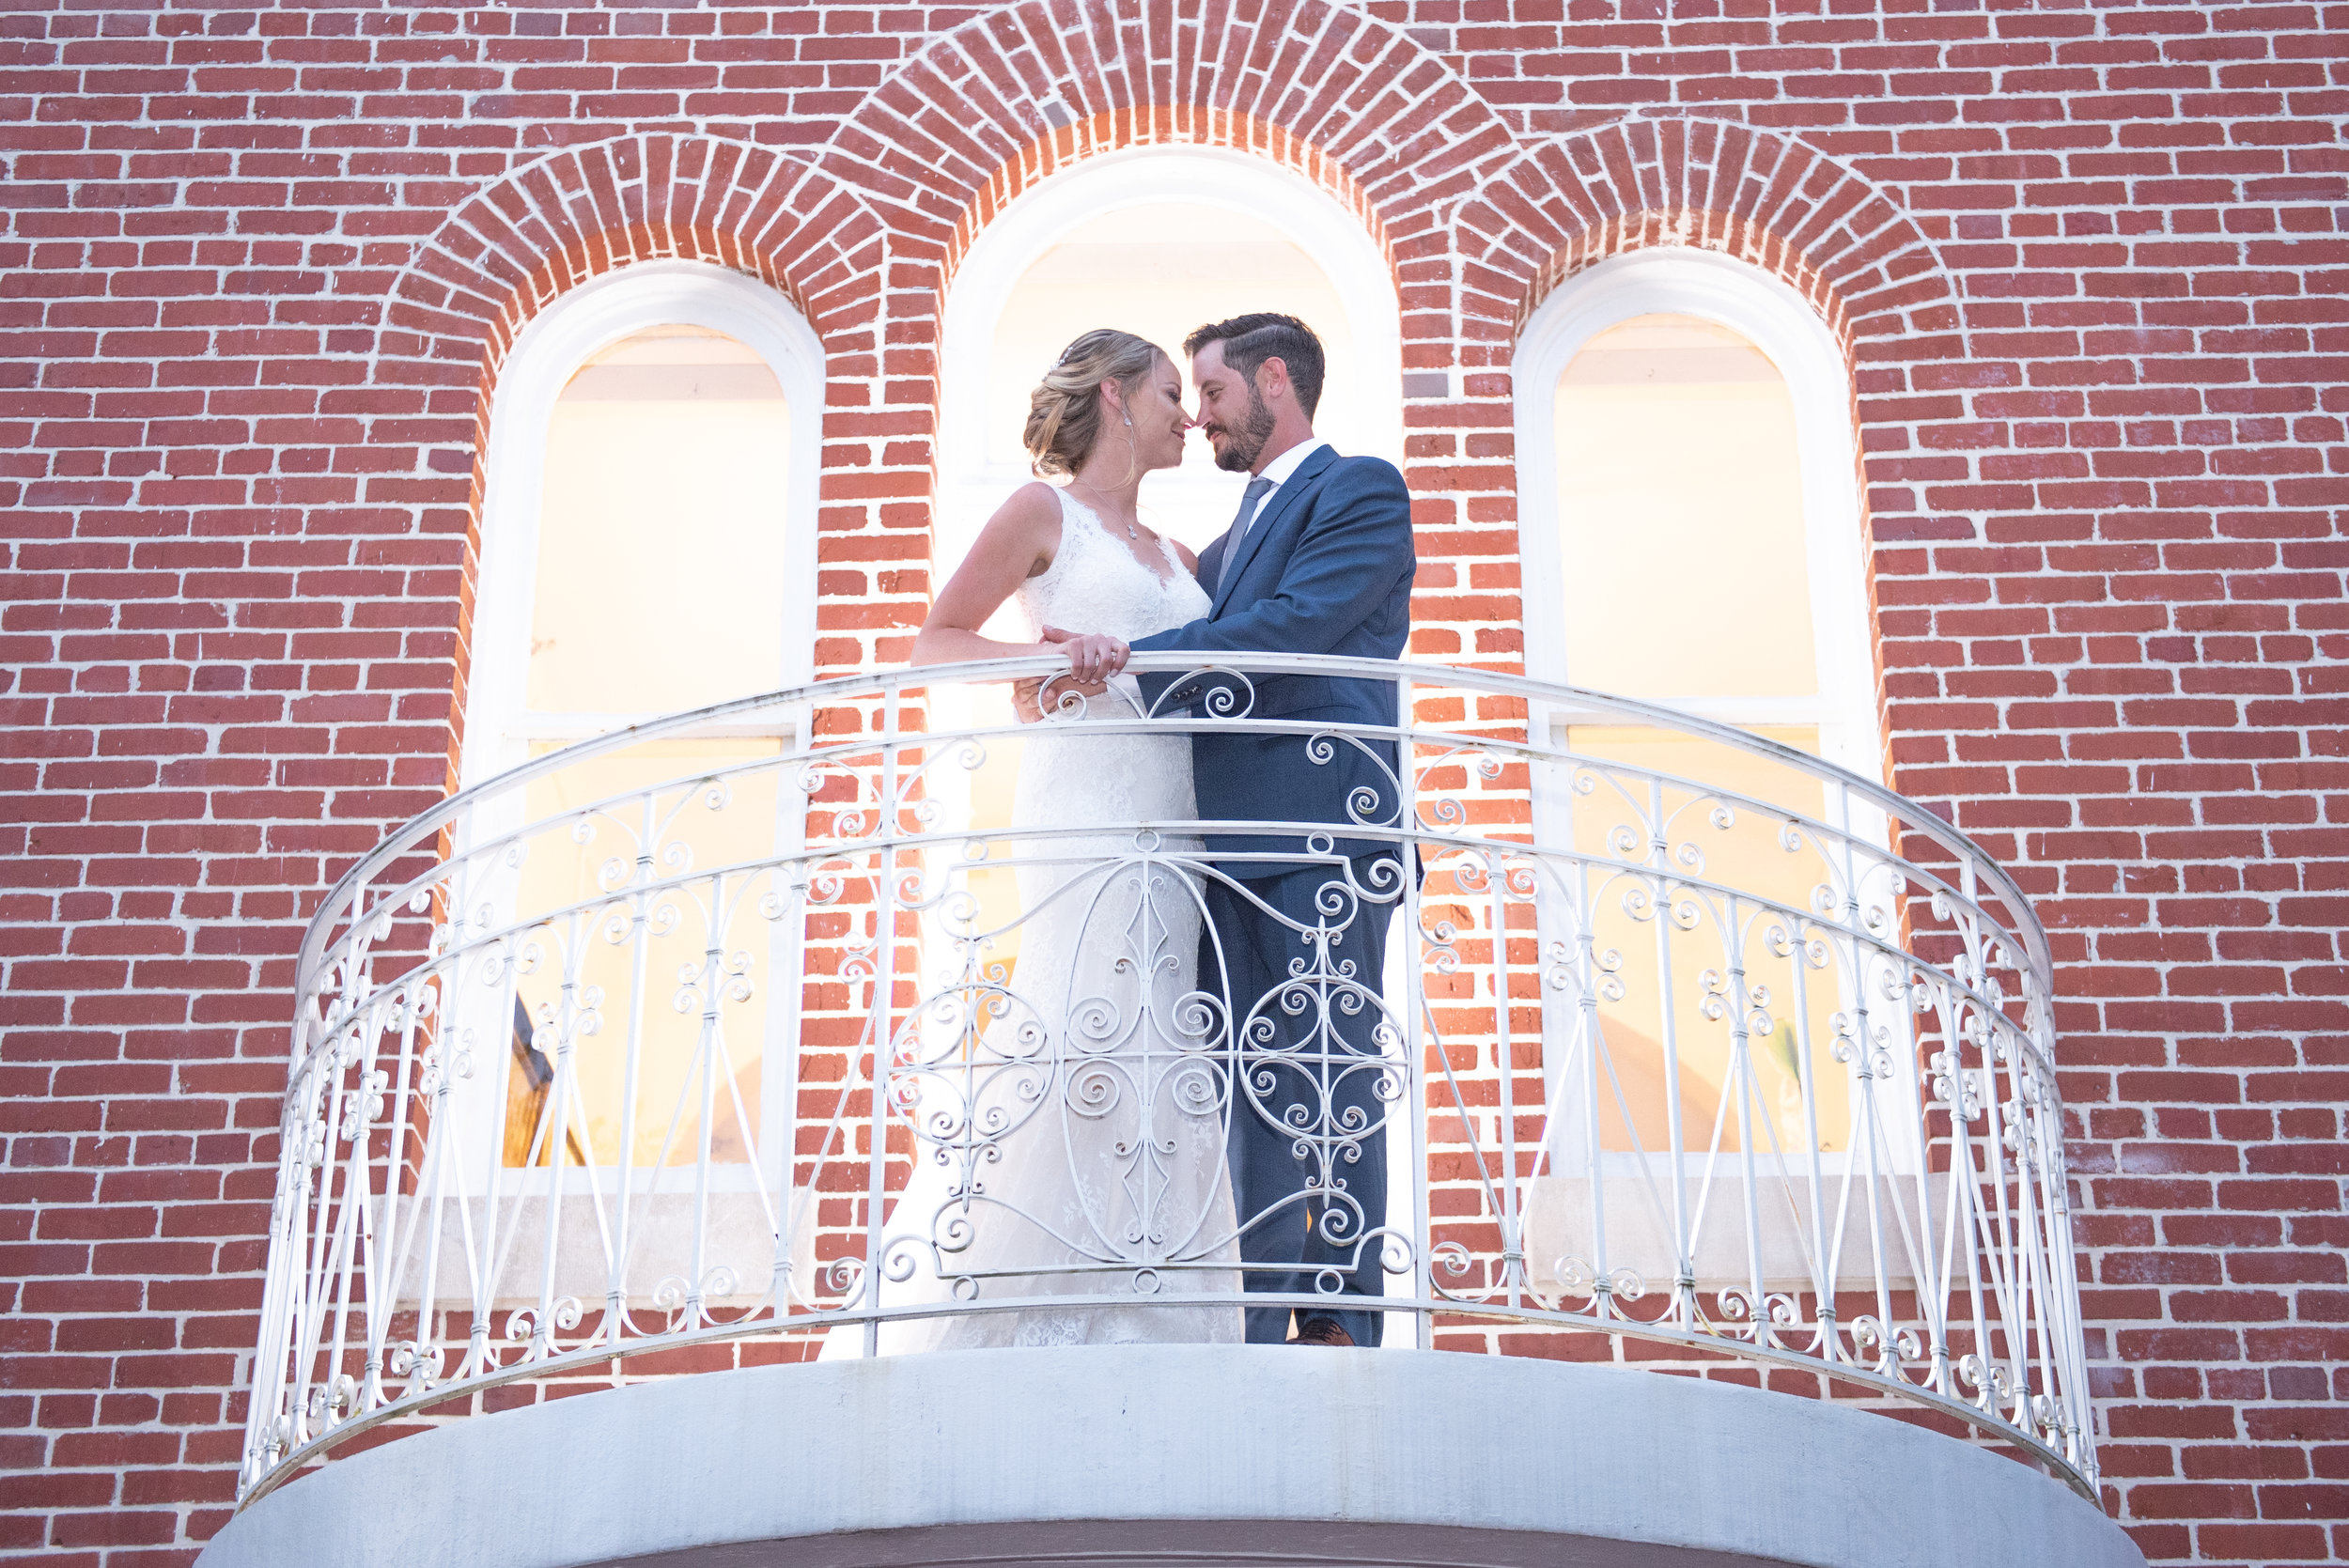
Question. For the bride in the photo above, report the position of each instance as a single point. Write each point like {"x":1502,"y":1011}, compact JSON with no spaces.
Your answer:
{"x":1069,"y":1122}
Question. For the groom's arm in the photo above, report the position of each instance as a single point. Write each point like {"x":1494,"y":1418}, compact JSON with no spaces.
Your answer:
{"x":1354,"y":548}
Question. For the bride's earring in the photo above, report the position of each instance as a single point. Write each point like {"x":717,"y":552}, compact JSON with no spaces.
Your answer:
{"x":1134,"y":454}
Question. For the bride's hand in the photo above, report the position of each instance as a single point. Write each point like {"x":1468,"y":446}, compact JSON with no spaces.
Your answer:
{"x":1092,"y":656}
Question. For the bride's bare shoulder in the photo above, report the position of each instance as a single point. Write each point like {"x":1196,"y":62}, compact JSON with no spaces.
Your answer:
{"x":1032,"y":502}
{"x":1028,"y":521}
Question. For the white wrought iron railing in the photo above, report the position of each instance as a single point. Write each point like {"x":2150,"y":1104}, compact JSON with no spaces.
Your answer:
{"x":1689,"y":1047}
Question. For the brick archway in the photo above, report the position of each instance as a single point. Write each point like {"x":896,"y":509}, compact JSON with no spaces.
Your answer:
{"x":1851,"y":250}
{"x":520,"y":241}
{"x":1335,"y":94}
{"x":986,"y":110}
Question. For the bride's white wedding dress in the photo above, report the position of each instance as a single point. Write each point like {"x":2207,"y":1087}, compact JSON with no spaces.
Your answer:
{"x":1070,"y":1125}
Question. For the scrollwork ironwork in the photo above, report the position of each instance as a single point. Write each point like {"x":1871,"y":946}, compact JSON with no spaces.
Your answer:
{"x":762,"y":1047}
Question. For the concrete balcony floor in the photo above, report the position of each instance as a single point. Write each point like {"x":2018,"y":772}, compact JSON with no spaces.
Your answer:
{"x":1174,"y":1454}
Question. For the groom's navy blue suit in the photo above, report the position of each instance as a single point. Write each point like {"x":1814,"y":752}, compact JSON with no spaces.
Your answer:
{"x":1326,"y":568}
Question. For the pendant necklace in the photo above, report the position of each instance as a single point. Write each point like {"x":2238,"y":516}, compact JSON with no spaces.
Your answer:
{"x":1129,"y":527}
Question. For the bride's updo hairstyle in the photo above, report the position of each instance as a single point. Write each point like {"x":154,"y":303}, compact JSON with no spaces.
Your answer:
{"x":1064,"y":410}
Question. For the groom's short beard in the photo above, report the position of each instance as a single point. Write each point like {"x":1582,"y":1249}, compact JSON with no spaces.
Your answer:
{"x":1245,"y":443}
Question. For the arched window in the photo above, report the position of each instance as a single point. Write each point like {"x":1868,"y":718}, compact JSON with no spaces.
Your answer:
{"x":1156,"y":242}
{"x":648,"y":515}
{"x":1688,"y":503}
{"x":648,"y":547}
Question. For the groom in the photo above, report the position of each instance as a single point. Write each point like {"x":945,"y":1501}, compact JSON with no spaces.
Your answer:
{"x":1319,"y":559}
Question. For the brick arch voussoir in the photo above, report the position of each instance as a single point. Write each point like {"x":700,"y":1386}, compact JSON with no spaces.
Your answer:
{"x":518,"y":244}
{"x":1572,"y":202}
{"x":989,"y":108}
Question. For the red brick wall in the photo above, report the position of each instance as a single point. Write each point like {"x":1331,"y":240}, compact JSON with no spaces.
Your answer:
{"x":258,"y":266}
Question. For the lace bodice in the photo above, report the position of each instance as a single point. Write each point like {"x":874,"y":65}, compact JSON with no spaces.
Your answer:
{"x":1096,"y":583}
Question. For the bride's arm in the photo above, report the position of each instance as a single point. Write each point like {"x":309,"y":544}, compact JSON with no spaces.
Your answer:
{"x":1018,"y":542}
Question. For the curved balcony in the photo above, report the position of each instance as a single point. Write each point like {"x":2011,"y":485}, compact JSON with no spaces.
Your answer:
{"x":712,"y":1045}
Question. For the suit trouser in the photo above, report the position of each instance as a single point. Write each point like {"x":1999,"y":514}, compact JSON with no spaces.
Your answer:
{"x":1307,"y":1076}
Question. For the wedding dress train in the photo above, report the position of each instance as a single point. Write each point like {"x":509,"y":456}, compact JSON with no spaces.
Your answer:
{"x":1069,"y":1118}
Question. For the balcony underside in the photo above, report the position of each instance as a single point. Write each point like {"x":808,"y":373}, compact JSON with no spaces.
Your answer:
{"x":1175,"y":1453}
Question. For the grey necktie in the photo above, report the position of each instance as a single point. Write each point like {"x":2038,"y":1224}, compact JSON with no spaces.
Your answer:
{"x":1249,"y":500}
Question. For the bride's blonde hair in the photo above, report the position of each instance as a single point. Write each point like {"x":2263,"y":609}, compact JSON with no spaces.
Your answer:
{"x":1064,"y":410}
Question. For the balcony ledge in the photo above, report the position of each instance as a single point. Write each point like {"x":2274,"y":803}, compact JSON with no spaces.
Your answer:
{"x":1183,"y":1454}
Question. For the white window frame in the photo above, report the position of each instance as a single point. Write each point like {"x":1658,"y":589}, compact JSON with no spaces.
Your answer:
{"x":970,"y":486}
{"x":499,"y":729}
{"x":1682,"y":281}
{"x":1791,"y":334}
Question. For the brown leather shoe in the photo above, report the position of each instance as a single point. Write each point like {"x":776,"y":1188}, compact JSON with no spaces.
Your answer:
{"x":1322,"y":1330}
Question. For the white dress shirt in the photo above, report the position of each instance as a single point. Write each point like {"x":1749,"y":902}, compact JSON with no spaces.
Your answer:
{"x":1277,"y":472}
{"x":1279,"y":468}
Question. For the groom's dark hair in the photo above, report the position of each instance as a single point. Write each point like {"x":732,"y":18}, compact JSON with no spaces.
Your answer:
{"x":1252,"y":339}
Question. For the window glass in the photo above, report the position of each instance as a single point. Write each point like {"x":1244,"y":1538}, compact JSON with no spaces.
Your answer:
{"x":1680,"y":510}
{"x":1775,"y":876}
{"x":1685,"y":579}
{"x":619,"y":986}
{"x":660,"y":539}
{"x":1160,"y":272}
{"x":660,"y":586}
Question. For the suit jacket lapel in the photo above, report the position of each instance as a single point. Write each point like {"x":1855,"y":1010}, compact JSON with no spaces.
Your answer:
{"x":1291,"y":490}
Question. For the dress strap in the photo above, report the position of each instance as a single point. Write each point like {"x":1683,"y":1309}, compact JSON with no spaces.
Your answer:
{"x":1070,"y":505}
{"x":1080,"y":530}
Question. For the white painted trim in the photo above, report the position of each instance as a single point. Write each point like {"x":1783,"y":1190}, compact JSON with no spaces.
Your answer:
{"x":1779,"y":323}
{"x":569,"y":727}
{"x":550,"y":349}
{"x":971,"y":488}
